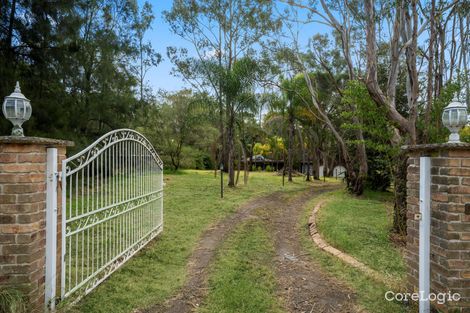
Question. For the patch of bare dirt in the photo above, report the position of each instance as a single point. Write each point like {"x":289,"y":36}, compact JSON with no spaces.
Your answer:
{"x":301,"y":283}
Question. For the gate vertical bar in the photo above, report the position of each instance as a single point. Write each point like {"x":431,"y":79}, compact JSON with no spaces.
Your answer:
{"x":424,"y":232}
{"x":51,"y":228}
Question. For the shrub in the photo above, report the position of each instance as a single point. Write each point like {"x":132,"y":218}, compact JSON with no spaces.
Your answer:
{"x":12,"y":301}
{"x":465,"y":134}
{"x":268,"y":168}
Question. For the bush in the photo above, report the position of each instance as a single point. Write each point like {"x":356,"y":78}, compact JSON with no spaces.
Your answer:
{"x":258,"y":169}
{"x":192,"y":158}
{"x":465,"y":134}
{"x":379,"y":176}
{"x":268,"y":168}
{"x":12,"y":301}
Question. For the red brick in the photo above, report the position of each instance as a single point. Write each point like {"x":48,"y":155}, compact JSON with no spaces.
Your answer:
{"x":30,"y":218}
{"x":7,"y":219}
{"x":32,"y":158}
{"x":7,"y":259}
{"x":454,"y":171}
{"x":23,"y":148}
{"x":28,"y":258}
{"x":14,"y":269}
{"x":465,"y":237}
{"x":7,"y":238}
{"x":17,"y":249}
{"x":22,"y":207}
{"x":31,"y":197}
{"x":459,"y":189}
{"x":26,"y":238}
{"x":15,"y":279}
{"x":23,"y":168}
{"x":8,"y":157}
{"x":24,"y":188}
{"x":440,"y":197}
{"x":7,"y":199}
{"x":22,"y":178}
{"x":459,"y":153}
{"x":19,"y":229}
{"x":445,"y":162}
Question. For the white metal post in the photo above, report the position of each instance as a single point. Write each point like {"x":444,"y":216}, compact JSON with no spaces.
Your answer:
{"x":424,"y":232}
{"x":63,"y":238}
{"x":51,"y":228}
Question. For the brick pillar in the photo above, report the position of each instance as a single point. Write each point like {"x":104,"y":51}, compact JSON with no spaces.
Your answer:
{"x":450,"y":221}
{"x":22,"y":214}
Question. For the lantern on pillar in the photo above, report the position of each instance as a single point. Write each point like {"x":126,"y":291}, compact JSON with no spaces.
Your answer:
{"x":454,"y":117}
{"x":17,"y":109}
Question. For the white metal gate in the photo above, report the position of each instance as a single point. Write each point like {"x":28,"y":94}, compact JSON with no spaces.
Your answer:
{"x":112,"y":205}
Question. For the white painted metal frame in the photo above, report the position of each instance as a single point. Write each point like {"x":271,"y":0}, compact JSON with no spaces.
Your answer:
{"x":424,"y":233}
{"x":51,"y":229}
{"x":112,"y":206}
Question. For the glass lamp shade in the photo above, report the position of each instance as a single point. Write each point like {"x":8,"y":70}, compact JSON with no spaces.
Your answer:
{"x":454,"y":118}
{"x":17,"y":109}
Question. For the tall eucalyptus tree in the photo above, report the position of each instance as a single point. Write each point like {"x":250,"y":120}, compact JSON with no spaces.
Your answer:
{"x":219,"y":32}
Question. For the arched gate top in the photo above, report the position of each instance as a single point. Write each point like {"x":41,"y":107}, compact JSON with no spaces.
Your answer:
{"x":84,"y":157}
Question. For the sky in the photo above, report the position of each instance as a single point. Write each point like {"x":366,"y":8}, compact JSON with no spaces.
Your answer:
{"x":161,"y":37}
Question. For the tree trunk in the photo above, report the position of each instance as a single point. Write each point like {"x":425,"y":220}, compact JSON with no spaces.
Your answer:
{"x":331,"y":166}
{"x":316,"y":164}
{"x":399,"y":209}
{"x":238,"y":168}
{"x":429,"y":89}
{"x":362,"y":159}
{"x":245,"y":167}
{"x":291,"y":144}
{"x":302,"y":148}
{"x":230,"y":144}
{"x":308,"y":168}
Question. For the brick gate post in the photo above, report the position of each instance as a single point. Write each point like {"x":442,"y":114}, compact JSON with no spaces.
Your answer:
{"x":22,"y":214}
{"x":450,"y":221}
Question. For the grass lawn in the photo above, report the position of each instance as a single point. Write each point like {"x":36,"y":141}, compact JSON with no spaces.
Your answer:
{"x":191,"y":204}
{"x":242,"y":280}
{"x":358,"y":226}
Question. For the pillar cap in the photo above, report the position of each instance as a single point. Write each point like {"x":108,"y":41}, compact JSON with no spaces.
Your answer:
{"x":36,"y":141}
{"x":437,"y":147}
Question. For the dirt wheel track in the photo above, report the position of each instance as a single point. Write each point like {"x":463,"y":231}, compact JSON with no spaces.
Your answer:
{"x":195,"y":287}
{"x":301,"y":284}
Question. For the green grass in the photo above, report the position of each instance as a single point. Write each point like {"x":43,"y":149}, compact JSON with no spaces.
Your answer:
{"x":242,"y":280}
{"x":191,"y":204}
{"x":360,"y":227}
{"x":12,"y":301}
{"x":370,"y":294}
